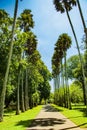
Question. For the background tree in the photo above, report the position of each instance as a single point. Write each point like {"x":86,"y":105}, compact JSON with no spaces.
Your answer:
{"x":74,"y":71}
{"x":76,"y":92}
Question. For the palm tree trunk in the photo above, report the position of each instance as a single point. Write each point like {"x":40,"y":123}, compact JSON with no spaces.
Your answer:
{"x":55,"y":84}
{"x":55,"y":89}
{"x":66,"y":87}
{"x":62,"y":75}
{"x":68,"y":90}
{"x":26,"y":92}
{"x":18,"y":103}
{"x":81,"y":61}
{"x":22,"y":94}
{"x":2,"y":99}
{"x":58,"y":86}
{"x":62,"y":83}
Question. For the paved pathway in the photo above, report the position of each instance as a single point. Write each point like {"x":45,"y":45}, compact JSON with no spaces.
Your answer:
{"x":50,"y":119}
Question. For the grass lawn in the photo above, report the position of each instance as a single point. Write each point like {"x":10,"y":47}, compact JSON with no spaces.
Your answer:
{"x":19,"y":122}
{"x":77,"y":114}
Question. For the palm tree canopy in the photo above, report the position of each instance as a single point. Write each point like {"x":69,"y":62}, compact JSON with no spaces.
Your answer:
{"x":26,"y":20}
{"x":62,"y":5}
{"x":63,"y":43}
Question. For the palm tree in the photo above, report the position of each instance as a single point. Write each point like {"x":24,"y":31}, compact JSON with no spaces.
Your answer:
{"x":65,"y":40}
{"x":26,"y":23}
{"x":18,"y":101}
{"x":26,"y":20}
{"x":56,"y":72}
{"x":65,"y":6}
{"x":26,"y":91}
{"x":22,"y":92}
{"x":85,"y":30}
{"x":83,"y":21}
{"x":2,"y":99}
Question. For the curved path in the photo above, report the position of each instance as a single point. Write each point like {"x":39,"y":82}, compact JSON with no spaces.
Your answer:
{"x":50,"y":119}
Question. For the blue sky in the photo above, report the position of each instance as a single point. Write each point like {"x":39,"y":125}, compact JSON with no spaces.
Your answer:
{"x":49,"y":24}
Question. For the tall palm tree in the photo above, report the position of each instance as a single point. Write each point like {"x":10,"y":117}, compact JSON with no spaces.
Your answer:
{"x":26,"y":91}
{"x":56,"y":72}
{"x":26,"y":23}
{"x":66,"y":6}
{"x":8,"y":64}
{"x":85,"y":30}
{"x":83,"y":21}
{"x":65,"y":40}
{"x":22,"y":92}
{"x":18,"y":101}
{"x":26,"y":20}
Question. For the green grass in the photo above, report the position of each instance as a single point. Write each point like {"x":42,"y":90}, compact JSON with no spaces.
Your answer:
{"x":19,"y":122}
{"x":77,"y":114}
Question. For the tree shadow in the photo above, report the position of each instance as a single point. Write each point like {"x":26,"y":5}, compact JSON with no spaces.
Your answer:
{"x":8,"y":112}
{"x":81,"y":110}
{"x":74,"y":117}
{"x":49,"y":108}
{"x":74,"y":127}
{"x":43,"y":122}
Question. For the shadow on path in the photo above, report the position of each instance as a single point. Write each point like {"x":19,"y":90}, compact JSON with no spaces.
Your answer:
{"x":47,"y":122}
{"x":41,"y":122}
{"x":49,"y":108}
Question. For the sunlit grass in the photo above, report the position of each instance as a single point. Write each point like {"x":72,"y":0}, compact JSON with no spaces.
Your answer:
{"x":77,"y":114}
{"x":19,"y":122}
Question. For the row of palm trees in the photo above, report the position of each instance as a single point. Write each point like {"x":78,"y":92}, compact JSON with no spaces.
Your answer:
{"x":62,"y":45}
{"x":66,"y":6}
{"x":24,"y":63}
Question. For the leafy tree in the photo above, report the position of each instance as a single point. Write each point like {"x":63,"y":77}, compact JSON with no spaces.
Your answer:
{"x":74,"y":72}
{"x":5,"y":33}
{"x":76,"y":92}
{"x":36,"y":98}
{"x":44,"y":87}
{"x":72,"y":63}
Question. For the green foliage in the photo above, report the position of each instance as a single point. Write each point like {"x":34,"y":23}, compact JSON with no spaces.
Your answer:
{"x":5,"y":33}
{"x":51,"y":98}
{"x":25,"y":20}
{"x":31,"y":43}
{"x":36,"y":98}
{"x":56,"y":95}
{"x":76,"y":92}
{"x":72,"y":63}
